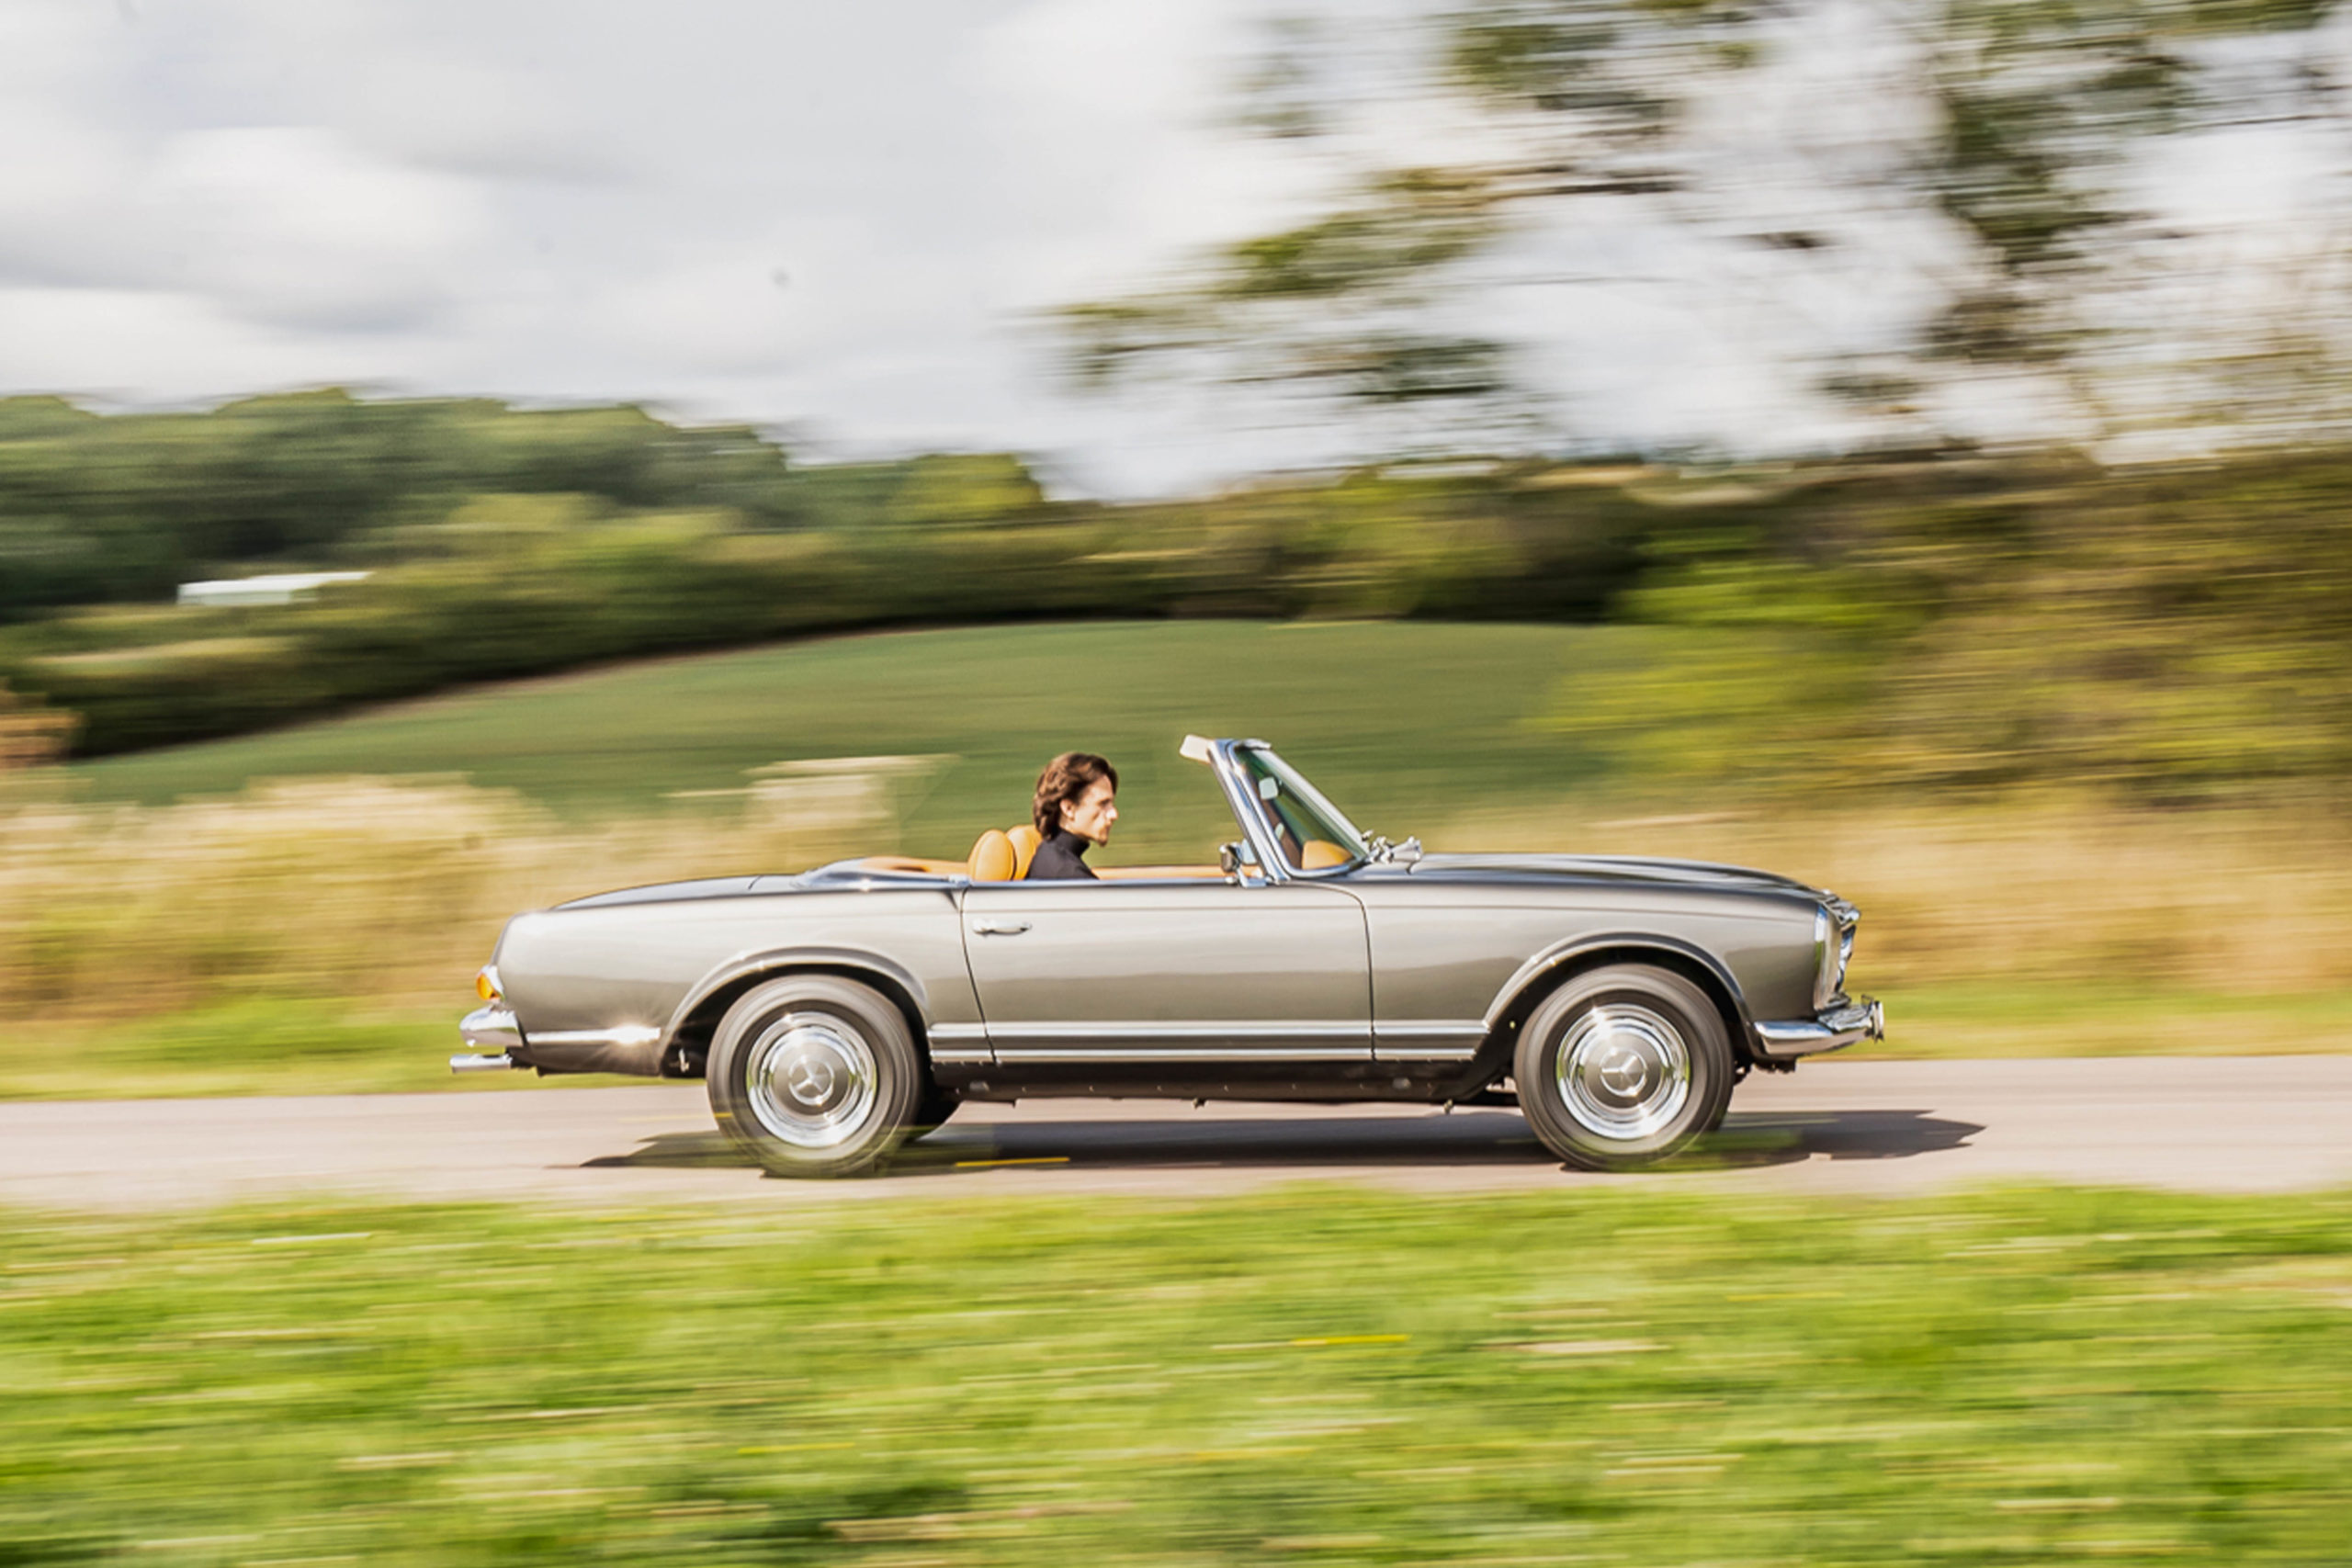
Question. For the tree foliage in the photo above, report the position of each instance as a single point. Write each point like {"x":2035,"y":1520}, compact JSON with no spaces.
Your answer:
{"x":2018,"y":125}
{"x":1954,"y":624}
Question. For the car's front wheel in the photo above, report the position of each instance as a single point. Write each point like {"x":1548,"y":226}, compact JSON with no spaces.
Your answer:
{"x":1623,"y":1066}
{"x":813,"y":1075}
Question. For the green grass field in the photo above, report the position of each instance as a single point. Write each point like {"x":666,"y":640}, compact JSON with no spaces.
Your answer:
{"x":1318,"y":1377}
{"x":1404,"y":720}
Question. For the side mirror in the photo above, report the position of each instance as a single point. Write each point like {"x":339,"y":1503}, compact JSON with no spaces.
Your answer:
{"x":1228,"y":859}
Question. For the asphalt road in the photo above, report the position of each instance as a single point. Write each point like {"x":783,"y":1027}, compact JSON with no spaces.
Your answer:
{"x":2219,"y":1124}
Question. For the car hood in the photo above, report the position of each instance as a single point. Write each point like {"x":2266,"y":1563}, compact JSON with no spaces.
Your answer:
{"x":1624,"y":870}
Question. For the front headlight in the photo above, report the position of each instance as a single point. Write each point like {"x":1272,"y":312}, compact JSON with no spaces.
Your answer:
{"x":1825,"y":958}
{"x":1833,"y":948}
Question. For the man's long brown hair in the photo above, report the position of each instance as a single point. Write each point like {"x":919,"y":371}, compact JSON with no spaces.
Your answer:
{"x":1066,"y":778}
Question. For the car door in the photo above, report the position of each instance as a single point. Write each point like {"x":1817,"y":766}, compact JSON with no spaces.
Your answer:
{"x":1130,"y":973}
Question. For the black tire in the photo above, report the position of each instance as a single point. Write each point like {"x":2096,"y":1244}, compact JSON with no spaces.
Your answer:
{"x":1623,"y":1066}
{"x":813,"y":1075}
{"x":932,"y":1109}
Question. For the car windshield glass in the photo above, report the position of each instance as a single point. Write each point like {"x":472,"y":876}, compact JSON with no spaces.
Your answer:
{"x":1312,"y":833}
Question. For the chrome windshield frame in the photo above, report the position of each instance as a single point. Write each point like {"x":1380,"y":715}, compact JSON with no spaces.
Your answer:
{"x":1257,"y":829}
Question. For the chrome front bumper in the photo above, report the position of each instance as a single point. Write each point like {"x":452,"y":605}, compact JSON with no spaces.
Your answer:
{"x":1834,"y":1029}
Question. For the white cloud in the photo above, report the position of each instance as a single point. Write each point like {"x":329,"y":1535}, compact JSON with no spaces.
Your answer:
{"x":845,"y":217}
{"x":293,"y":226}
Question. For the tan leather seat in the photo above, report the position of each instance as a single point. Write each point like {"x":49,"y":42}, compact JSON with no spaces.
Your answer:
{"x":1025,"y":839}
{"x":994,"y":858}
{"x":1318,"y":855}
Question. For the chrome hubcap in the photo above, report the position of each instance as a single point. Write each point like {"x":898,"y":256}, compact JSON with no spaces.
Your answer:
{"x":1624,"y":1072}
{"x":811,"y":1080}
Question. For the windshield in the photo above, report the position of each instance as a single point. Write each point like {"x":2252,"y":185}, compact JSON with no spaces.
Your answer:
{"x":1311,"y":832}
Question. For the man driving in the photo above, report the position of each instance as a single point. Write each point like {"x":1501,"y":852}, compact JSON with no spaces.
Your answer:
{"x":1074,"y":809}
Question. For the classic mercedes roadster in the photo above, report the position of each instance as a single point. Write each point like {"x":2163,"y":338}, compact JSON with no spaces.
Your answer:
{"x":837,"y":1012}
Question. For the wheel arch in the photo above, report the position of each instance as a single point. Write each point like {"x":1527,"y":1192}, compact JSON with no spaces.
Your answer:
{"x":696,"y":1019}
{"x":1548,"y":971}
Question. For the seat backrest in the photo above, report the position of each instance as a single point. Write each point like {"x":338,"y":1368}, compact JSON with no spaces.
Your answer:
{"x":994,"y":859}
{"x":1319,"y":855}
{"x":1025,"y":839}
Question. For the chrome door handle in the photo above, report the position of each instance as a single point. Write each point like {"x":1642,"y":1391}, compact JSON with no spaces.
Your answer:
{"x":999,"y":928}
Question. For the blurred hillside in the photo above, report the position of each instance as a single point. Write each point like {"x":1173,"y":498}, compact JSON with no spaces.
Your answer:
{"x":1953,"y":620}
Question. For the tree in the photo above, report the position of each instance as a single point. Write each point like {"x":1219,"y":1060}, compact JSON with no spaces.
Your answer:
{"x":1984,"y":157}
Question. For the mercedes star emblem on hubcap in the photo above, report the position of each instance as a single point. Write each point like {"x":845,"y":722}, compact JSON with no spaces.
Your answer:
{"x":1624,"y":1073}
{"x":811,"y":1081}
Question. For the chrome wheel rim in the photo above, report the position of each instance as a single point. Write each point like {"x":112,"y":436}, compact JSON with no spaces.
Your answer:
{"x":811,"y":1081}
{"x":1624,"y":1072}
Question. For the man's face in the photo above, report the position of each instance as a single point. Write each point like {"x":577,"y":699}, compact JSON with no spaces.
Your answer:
{"x":1091,"y":815}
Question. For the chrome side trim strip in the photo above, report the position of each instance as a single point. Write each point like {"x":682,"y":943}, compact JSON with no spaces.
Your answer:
{"x":1110,"y":1044}
{"x":960,"y":1045}
{"x":1426,"y":1040}
{"x":1359,"y":1032}
{"x":1347,"y":1042}
{"x":1833,"y":1030}
{"x":621,"y":1035}
{"x":1016,"y":1055}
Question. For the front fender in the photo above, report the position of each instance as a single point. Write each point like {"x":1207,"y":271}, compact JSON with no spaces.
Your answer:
{"x":1634,"y":945}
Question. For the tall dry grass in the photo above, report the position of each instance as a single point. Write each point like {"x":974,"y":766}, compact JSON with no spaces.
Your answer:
{"x":373,"y":891}
{"x":380,"y":893}
{"x":2049,"y":890}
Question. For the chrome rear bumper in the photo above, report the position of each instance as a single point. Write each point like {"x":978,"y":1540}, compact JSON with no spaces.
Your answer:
{"x":491,"y":1028}
{"x":1834,"y":1029}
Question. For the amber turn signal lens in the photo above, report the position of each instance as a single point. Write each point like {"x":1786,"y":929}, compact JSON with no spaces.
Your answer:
{"x":486,"y":985}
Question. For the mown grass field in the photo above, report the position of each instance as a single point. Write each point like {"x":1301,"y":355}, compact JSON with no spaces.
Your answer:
{"x":1321,"y":1376}
{"x":1404,"y":721}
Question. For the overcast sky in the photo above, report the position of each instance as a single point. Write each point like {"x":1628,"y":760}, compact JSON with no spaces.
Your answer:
{"x":836,"y":218}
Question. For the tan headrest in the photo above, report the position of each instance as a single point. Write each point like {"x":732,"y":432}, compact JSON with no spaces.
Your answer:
{"x":1025,"y":841}
{"x":993,"y":859}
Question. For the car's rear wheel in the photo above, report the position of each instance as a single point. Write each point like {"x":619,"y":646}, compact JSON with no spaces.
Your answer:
{"x":813,"y":1075}
{"x":1623,"y":1066}
{"x":932,"y":1109}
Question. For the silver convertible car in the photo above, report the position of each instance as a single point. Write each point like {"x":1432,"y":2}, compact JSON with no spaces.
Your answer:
{"x":837,"y":1012}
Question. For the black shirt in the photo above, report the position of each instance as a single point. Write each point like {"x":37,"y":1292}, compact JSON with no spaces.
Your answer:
{"x":1061,"y":857}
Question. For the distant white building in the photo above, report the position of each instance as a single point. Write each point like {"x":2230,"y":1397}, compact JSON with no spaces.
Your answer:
{"x":280,"y":588}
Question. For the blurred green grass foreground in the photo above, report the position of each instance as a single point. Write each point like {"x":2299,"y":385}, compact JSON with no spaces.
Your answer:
{"x":302,"y":911}
{"x":2006,"y":1377}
